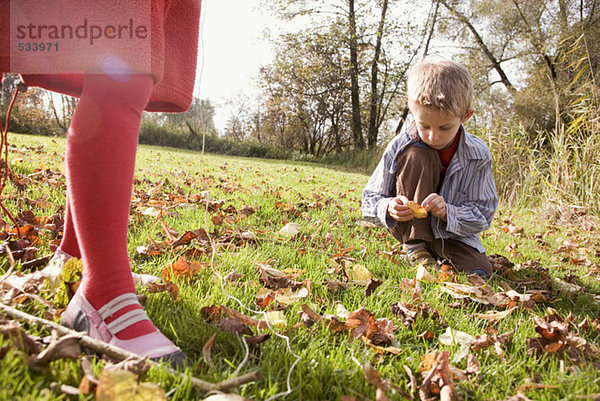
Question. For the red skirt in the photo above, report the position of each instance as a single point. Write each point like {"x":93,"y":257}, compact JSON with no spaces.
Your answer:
{"x":174,"y":48}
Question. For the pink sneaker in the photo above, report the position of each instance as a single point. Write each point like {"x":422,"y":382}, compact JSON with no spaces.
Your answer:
{"x":82,"y":316}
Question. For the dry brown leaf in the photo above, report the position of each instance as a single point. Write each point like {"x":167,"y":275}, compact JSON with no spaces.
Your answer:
{"x":211,"y":314}
{"x":404,"y":312}
{"x":21,"y":338}
{"x":184,"y":239}
{"x":234,"y":327}
{"x":359,"y":322}
{"x":373,"y":284}
{"x":495,"y":317}
{"x":258,"y":339}
{"x":169,"y":287}
{"x":312,"y":317}
{"x":183,"y":269}
{"x":473,"y":369}
{"x":335,"y":324}
{"x":235,"y":315}
{"x":123,"y":385}
{"x":437,"y":376}
{"x":66,"y":346}
{"x":133,"y":364}
{"x":206,"y":350}
{"x":374,"y":377}
{"x":335,"y":286}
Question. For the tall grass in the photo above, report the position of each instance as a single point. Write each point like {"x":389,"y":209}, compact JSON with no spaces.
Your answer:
{"x":561,"y":166}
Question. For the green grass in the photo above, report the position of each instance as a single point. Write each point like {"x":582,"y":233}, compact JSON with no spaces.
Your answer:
{"x":326,"y":203}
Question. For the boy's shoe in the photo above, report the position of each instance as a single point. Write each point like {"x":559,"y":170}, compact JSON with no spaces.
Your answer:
{"x":422,"y":257}
{"x":481,"y":273}
{"x":80,"y":315}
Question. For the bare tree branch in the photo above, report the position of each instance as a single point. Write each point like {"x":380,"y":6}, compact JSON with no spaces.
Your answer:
{"x":495,"y":63}
{"x":119,"y":354}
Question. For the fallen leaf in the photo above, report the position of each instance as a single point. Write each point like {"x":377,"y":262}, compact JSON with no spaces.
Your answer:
{"x":494,"y":317}
{"x":183,"y":269}
{"x":290,"y":230}
{"x":374,"y":377}
{"x":123,"y":385}
{"x":258,"y":339}
{"x":373,"y":284}
{"x":133,"y":364}
{"x":359,"y":322}
{"x":335,"y":286}
{"x":66,"y":347}
{"x":21,"y":338}
{"x":287,"y":296}
{"x":451,"y":337}
{"x":211,"y":314}
{"x":424,"y":275}
{"x":361,"y":275}
{"x":342,"y":312}
{"x":275,"y":319}
{"x":235,"y":315}
{"x":473,"y":369}
{"x":232,"y":277}
{"x":403,"y":311}
{"x":418,"y":211}
{"x":206,"y":350}
{"x":234,"y":327}
{"x":169,"y":287}
{"x":437,"y":377}
{"x":70,"y":279}
{"x":218,"y":396}
{"x":151,"y":211}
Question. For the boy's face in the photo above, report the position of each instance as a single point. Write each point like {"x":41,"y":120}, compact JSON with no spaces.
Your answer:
{"x":437,"y":128}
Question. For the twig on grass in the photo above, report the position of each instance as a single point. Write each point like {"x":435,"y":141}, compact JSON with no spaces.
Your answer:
{"x":119,"y":354}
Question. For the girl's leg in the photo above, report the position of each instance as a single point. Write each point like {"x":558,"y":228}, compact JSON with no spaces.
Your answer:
{"x":100,"y":161}
{"x":69,"y":242}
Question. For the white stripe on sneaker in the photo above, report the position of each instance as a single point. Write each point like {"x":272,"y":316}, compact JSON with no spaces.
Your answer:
{"x":128,"y":319}
{"x":117,"y":304}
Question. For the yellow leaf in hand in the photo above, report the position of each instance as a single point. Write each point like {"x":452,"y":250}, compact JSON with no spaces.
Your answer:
{"x":418,"y":211}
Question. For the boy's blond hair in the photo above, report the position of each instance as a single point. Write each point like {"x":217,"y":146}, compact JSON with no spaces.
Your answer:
{"x":443,"y":85}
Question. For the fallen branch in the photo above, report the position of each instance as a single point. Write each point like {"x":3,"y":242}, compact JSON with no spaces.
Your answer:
{"x":119,"y":354}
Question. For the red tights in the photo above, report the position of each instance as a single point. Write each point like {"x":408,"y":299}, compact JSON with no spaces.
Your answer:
{"x":100,"y":161}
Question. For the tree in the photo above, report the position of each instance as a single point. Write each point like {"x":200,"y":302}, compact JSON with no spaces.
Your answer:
{"x":354,"y":73}
{"x":367,"y":39}
{"x":63,"y":117}
{"x":307,"y":84}
{"x":540,"y":43}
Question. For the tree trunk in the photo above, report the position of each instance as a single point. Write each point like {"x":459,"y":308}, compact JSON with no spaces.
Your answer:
{"x":402,"y":120}
{"x":355,"y":96}
{"x":374,"y":109}
{"x":59,"y":122}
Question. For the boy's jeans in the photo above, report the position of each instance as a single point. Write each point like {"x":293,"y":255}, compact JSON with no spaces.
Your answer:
{"x":418,"y":176}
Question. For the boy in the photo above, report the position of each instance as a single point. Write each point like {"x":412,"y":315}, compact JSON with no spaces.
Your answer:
{"x":437,"y":164}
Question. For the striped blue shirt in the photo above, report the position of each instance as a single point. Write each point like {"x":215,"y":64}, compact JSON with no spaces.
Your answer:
{"x":468,"y":189}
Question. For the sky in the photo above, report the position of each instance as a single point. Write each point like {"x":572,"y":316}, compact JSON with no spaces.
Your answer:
{"x":230,"y":52}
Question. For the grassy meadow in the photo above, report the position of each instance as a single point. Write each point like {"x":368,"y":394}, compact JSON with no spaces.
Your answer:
{"x":240,"y":259}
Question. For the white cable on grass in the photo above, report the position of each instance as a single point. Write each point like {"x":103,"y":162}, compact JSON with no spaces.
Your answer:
{"x":284,"y":337}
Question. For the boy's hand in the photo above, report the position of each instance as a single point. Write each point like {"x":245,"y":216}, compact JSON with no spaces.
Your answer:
{"x":398,"y":210}
{"x":436,"y":205}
